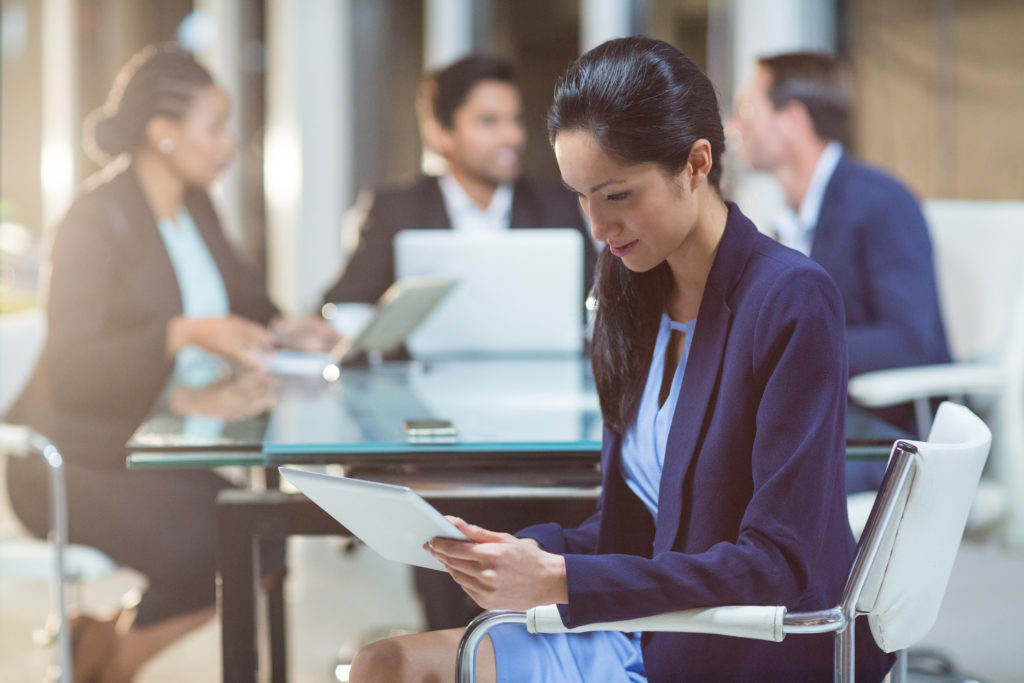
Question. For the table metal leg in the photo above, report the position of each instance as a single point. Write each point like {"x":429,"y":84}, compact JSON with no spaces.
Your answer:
{"x":236,"y":592}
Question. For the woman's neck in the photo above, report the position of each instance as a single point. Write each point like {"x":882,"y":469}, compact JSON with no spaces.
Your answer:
{"x":163,"y":187}
{"x":691,"y":265}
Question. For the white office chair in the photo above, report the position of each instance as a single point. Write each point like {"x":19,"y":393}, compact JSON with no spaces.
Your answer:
{"x":22,"y":557}
{"x":899,"y":573}
{"x":977,"y":246}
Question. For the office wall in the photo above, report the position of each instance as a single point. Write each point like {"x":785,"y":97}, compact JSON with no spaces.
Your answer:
{"x":940,"y":93}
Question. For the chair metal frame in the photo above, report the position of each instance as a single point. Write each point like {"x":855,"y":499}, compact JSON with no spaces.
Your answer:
{"x":24,"y":441}
{"x":838,"y":620}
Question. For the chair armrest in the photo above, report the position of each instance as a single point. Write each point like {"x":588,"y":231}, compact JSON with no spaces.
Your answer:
{"x":762,"y":623}
{"x":902,"y":385}
{"x":15,"y":439}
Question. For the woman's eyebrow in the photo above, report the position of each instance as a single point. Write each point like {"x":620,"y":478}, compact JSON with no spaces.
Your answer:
{"x":595,"y":188}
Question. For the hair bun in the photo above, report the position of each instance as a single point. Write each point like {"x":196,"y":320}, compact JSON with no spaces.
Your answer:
{"x":103,"y":136}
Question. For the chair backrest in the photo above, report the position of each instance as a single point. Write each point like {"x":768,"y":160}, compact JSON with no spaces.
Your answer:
{"x":22,"y":335}
{"x":904,"y":582}
{"x":977,"y":247}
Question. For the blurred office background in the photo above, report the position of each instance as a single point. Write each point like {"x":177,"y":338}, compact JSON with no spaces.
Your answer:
{"x":324,"y":93}
{"x":324,"y":96}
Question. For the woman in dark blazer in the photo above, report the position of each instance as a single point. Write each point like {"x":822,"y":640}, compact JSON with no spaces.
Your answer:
{"x":143,"y":284}
{"x":720,"y":363}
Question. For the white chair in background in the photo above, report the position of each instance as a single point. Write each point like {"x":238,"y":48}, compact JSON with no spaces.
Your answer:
{"x":899,"y":573}
{"x":978,"y":247}
{"x":21,"y":557}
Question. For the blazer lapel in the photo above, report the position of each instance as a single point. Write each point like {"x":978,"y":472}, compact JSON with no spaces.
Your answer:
{"x":432,"y":213}
{"x":525,"y":212}
{"x":823,"y":241}
{"x":696,"y":396}
{"x":137,"y":223}
{"x":703,"y":370}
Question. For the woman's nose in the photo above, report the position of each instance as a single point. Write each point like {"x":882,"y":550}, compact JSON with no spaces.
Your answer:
{"x":601,"y":225}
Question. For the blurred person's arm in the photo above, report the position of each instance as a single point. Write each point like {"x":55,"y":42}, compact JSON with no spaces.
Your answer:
{"x":370,"y":267}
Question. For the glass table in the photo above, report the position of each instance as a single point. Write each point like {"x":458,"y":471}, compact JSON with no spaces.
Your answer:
{"x":525,"y":449}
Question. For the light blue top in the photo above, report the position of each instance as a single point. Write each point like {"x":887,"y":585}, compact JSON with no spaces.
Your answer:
{"x":202,"y":294}
{"x":643,"y":446}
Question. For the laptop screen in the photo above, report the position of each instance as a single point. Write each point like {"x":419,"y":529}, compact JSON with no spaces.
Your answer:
{"x":519,"y":291}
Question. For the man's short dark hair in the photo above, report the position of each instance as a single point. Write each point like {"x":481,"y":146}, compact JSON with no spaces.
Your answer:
{"x":820,"y":82}
{"x":454,"y":83}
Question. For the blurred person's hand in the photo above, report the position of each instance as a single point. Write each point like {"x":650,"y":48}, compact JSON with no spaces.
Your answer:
{"x":234,"y":398}
{"x":304,"y":333}
{"x":233,"y":337}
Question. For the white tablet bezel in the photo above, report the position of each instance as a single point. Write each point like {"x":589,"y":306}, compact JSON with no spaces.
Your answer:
{"x":393,"y":520}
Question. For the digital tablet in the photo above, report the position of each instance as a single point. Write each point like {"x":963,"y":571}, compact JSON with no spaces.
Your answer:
{"x":392,"y":520}
{"x":397,"y":313}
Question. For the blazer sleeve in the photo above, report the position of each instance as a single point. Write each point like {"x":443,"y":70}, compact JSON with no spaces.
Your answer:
{"x":553,"y":538}
{"x":92,"y":360}
{"x":370,"y":269}
{"x":899,"y":272}
{"x":799,"y":362}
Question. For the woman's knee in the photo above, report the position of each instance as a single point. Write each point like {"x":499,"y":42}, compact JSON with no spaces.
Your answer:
{"x":424,"y":658}
{"x":383,"y":660}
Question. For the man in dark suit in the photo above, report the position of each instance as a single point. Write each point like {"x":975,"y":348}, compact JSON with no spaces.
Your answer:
{"x":477,"y":127}
{"x":862,"y":225}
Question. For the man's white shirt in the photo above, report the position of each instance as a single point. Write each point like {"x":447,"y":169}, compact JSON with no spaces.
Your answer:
{"x":464,"y":213}
{"x":796,"y":229}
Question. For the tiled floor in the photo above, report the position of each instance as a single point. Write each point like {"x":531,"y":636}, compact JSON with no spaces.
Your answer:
{"x":334,"y":596}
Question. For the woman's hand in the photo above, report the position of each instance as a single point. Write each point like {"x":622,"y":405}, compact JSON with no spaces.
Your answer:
{"x":233,"y":337}
{"x":235,"y":398}
{"x":304,"y":333}
{"x":500,"y":571}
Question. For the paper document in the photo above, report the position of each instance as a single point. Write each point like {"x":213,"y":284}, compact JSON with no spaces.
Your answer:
{"x":285,"y":362}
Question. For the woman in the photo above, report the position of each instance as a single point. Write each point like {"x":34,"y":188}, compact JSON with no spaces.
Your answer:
{"x":721,"y":369}
{"x":144,"y":284}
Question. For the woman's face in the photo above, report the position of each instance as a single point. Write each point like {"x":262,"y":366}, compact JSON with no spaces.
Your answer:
{"x":202,"y":146}
{"x":642,"y":213}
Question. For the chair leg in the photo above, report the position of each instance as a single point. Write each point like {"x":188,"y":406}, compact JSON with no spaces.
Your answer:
{"x":59,"y":512}
{"x":898,"y":674}
{"x":843,"y":657}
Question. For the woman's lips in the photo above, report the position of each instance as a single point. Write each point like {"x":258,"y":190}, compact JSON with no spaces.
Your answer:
{"x":621,"y":250}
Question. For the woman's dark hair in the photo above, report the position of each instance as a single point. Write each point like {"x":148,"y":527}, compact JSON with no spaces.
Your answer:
{"x":820,"y":82}
{"x":644,"y":101}
{"x":160,"y":80}
{"x":454,"y":83}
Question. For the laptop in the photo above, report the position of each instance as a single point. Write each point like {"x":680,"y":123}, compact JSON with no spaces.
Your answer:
{"x":520,"y":291}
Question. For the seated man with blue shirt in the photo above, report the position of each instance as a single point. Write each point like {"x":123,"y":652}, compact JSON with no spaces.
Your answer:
{"x":862,"y":225}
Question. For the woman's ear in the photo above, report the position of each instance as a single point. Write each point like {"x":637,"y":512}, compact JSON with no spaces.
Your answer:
{"x":161,"y":134}
{"x":699,"y":164}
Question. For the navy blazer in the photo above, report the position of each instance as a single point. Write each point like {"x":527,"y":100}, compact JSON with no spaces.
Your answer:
{"x":111,"y":292}
{"x":872,"y":238}
{"x":371,"y":269}
{"x":751,"y":507}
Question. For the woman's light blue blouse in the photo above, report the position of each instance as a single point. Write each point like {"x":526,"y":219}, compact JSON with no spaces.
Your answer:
{"x":203,"y":294}
{"x":643,"y":446}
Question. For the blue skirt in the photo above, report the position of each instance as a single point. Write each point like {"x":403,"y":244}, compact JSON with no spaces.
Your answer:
{"x":606,"y":656}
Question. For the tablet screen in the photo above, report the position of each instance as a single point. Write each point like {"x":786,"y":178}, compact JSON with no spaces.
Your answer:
{"x":393,"y":520}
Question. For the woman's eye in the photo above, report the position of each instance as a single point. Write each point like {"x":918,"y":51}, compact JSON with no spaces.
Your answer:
{"x":618,"y":196}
